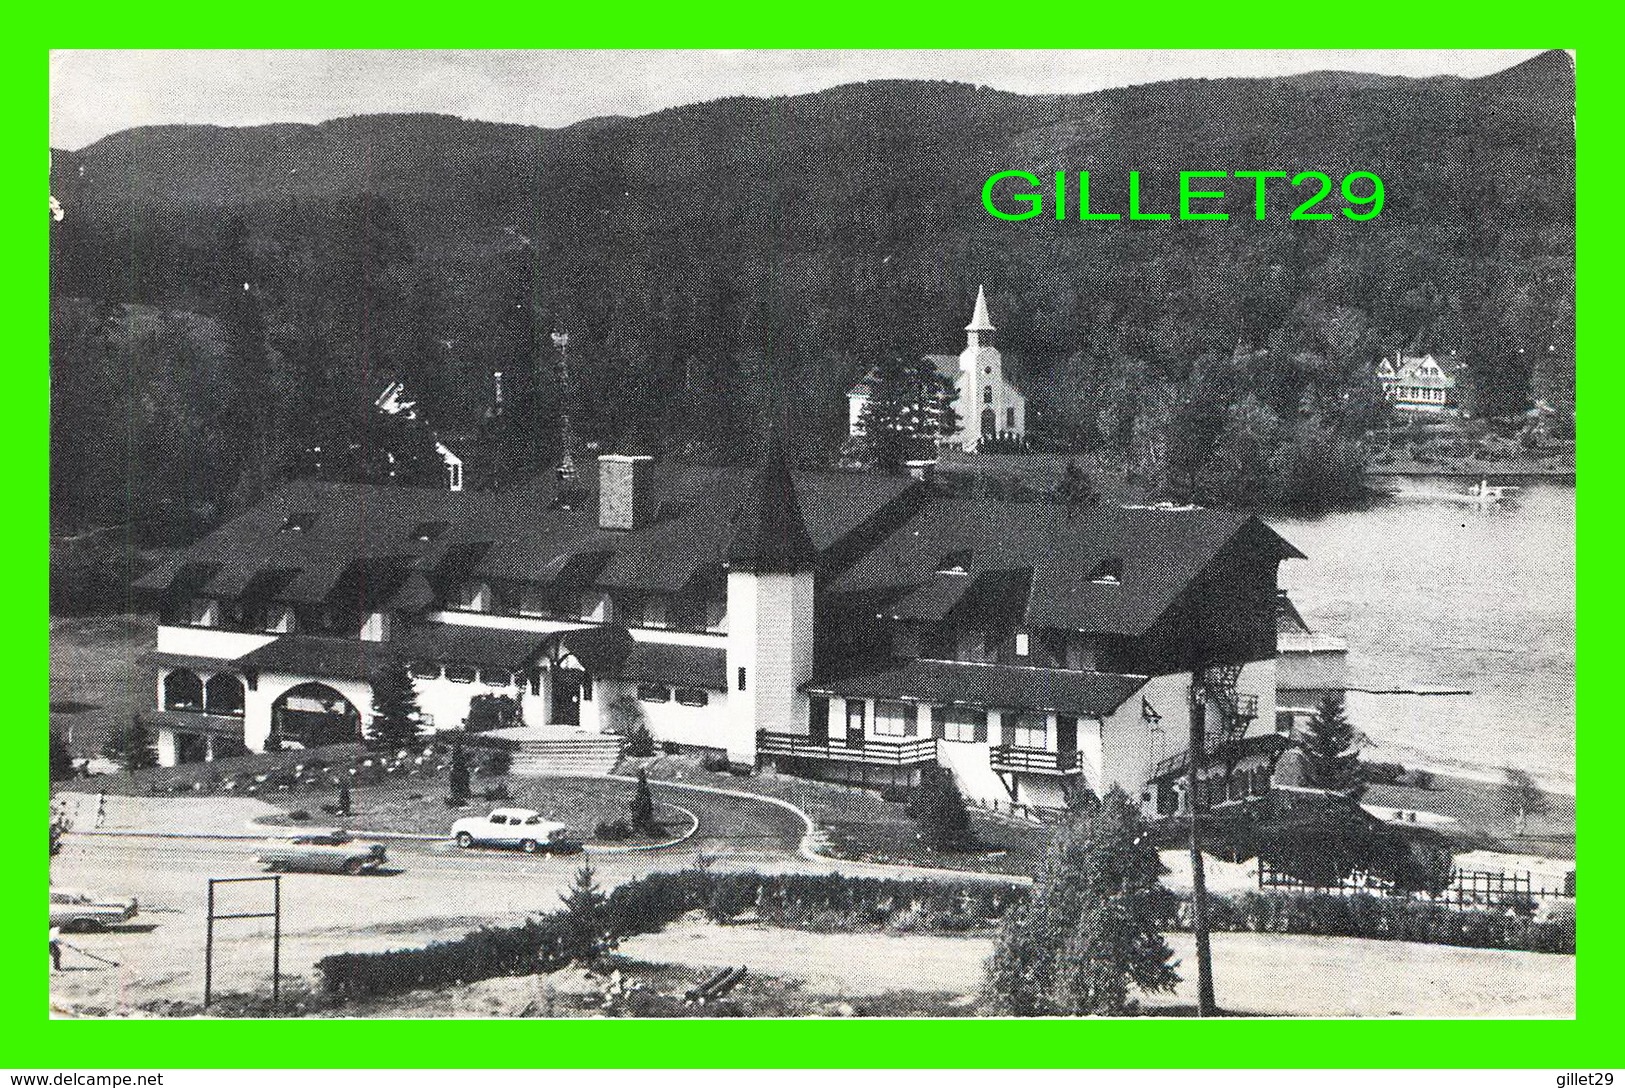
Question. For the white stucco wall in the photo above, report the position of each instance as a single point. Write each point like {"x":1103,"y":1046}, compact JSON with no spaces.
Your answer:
{"x":770,"y":635}
{"x":208,"y":642}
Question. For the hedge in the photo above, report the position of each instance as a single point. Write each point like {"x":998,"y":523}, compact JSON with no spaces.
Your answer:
{"x":833,"y":901}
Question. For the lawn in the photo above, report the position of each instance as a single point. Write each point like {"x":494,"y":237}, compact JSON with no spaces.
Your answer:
{"x":401,"y":791}
{"x":859,"y":825}
{"x":97,"y":680}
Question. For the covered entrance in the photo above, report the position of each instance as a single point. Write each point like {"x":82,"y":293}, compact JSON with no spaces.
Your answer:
{"x":314,"y":714}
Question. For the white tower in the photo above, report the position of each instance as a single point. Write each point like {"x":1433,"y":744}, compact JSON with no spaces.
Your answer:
{"x":770,"y":611}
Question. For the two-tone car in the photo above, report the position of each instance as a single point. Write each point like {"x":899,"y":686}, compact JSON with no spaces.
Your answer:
{"x":329,"y":851}
{"x":521,"y":827}
{"x":74,"y":911}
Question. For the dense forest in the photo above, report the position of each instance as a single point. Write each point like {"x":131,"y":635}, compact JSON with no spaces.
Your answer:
{"x":225,"y":301}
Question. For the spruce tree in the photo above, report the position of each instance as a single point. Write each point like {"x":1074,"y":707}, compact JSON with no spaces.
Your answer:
{"x":643,"y":807}
{"x":395,"y":714}
{"x":1090,"y":932}
{"x":1331,"y":752}
{"x":132,"y":747}
{"x":344,"y":799}
{"x":887,"y":419}
{"x":584,"y":925}
{"x":938,"y":808}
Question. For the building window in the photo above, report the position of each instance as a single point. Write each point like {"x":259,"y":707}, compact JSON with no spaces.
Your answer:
{"x":963,"y":723}
{"x":533,"y":601}
{"x":741,"y":678}
{"x":425,"y":670}
{"x":895,"y":719}
{"x":854,"y":717}
{"x":473,"y":597}
{"x":496,"y":678}
{"x":223,"y":694}
{"x":692,"y":697}
{"x":1108,"y":571}
{"x":987,"y":394}
{"x":1022,"y":646}
{"x":183,"y":690}
{"x":461,"y":674}
{"x":1031,"y":731}
{"x":1010,"y":418}
{"x":376,"y":629}
{"x":653,"y":693}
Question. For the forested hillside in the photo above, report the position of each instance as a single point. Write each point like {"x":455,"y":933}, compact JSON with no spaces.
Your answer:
{"x":221,"y":297}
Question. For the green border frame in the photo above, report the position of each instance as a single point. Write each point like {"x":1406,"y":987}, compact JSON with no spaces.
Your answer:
{"x":33,"y":1041}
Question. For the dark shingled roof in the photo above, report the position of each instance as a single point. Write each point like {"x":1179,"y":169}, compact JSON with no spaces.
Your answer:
{"x":1161,"y":552}
{"x":1006,"y":687}
{"x":674,"y":664}
{"x":364,"y":538}
{"x":771,"y":537}
{"x":353,"y":659}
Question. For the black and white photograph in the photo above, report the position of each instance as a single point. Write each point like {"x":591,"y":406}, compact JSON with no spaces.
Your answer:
{"x":812,"y":534}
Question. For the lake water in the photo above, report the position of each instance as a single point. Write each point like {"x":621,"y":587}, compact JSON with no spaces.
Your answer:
{"x":1432,"y":592}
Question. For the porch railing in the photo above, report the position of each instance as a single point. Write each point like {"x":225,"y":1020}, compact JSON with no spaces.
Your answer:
{"x":904,"y":752}
{"x":1008,"y":757}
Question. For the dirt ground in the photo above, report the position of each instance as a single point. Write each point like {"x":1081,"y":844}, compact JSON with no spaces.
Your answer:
{"x":1330,"y":977}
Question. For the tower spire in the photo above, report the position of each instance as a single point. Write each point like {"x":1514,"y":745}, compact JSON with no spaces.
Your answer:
{"x":772,"y":537}
{"x":979,"y":321}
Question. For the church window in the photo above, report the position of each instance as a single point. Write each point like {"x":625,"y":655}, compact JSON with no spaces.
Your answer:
{"x":1010,"y":418}
{"x":987,"y":394}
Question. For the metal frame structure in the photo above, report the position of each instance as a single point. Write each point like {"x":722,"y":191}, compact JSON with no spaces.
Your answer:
{"x":275,"y":914}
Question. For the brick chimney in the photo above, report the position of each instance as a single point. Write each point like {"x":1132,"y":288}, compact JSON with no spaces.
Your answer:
{"x":624,"y":490}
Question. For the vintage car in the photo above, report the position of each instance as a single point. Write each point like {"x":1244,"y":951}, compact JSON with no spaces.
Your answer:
{"x":519,"y":827}
{"x":86,"y":912}
{"x":323,"y":852}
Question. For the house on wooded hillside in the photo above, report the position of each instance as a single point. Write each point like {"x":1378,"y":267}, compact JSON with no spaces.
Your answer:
{"x":851,"y":627}
{"x":988,"y":403}
{"x":393,"y":401}
{"x":1417,"y":383}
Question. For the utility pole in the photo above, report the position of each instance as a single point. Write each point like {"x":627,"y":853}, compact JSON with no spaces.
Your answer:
{"x":1195,"y":755}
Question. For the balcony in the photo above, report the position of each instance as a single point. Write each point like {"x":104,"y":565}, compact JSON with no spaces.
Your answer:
{"x":905,"y":752}
{"x":1007,"y":757}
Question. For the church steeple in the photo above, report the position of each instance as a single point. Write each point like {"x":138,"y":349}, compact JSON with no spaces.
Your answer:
{"x":979,"y":322}
{"x":772,"y":536}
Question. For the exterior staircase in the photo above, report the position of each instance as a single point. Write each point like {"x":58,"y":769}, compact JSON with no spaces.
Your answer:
{"x":543,"y":751}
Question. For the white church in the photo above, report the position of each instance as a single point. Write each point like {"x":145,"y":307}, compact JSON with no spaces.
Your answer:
{"x":988,"y":403}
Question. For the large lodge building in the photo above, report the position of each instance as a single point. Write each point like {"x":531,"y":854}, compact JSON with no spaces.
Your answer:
{"x":845,"y":626}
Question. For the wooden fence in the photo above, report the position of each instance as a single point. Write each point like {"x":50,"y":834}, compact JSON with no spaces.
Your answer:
{"x":1469,"y":889}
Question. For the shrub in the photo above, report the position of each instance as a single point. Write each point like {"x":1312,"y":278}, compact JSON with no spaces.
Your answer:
{"x":670,"y":748}
{"x":298,"y":814}
{"x":1389,"y":773}
{"x":714,"y":761}
{"x":639,"y":741}
{"x":498,"y":792}
{"x":939,"y":810}
{"x":61,"y":758}
{"x":497,"y":763}
{"x":895,"y":794}
{"x":616,"y":830}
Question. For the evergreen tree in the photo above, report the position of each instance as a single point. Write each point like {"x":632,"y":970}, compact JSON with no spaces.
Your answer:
{"x":1331,"y":752}
{"x":643,"y":807}
{"x":585,"y":936}
{"x":344,"y":799}
{"x":939,"y":810}
{"x":458,"y":773}
{"x":61,"y":758}
{"x":1091,"y":929}
{"x":395,"y":714}
{"x":888,"y":420}
{"x":132,"y":747}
